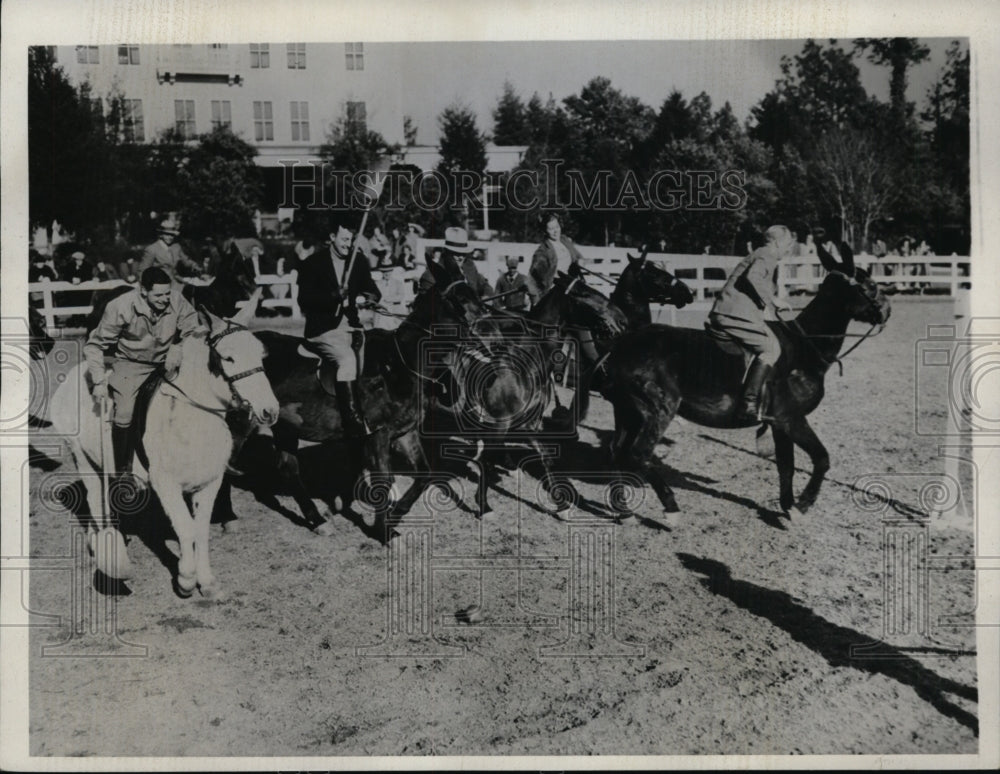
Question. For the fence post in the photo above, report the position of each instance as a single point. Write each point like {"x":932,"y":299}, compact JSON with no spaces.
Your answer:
{"x":47,"y":311}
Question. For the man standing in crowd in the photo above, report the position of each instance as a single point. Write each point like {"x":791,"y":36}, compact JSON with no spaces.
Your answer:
{"x":78,"y":269}
{"x":166,"y":254}
{"x":332,"y":286}
{"x":515,"y":287}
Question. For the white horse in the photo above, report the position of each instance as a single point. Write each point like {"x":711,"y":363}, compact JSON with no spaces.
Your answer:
{"x":186,"y":440}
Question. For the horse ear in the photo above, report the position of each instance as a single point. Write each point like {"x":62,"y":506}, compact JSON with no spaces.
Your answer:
{"x":638,"y":258}
{"x":829,"y":262}
{"x":246,"y":314}
{"x":847,"y":259}
{"x":439,"y":272}
{"x":205,"y":317}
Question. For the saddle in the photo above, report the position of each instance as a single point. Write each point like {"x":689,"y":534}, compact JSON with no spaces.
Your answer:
{"x":727,"y":343}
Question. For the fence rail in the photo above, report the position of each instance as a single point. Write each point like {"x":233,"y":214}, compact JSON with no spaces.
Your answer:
{"x":704,"y":274}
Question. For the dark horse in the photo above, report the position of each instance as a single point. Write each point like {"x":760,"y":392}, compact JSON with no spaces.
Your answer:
{"x":505,"y":391}
{"x":234,"y":282}
{"x":39,"y":343}
{"x":393,"y":396}
{"x":641,"y":283}
{"x":661,"y":371}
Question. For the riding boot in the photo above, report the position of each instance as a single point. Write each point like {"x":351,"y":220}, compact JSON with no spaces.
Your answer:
{"x":759,"y":371}
{"x":121,"y":442}
{"x":350,"y":413}
{"x":121,"y":484}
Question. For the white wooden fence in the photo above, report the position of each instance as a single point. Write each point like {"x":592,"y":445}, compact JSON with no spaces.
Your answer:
{"x":704,"y":274}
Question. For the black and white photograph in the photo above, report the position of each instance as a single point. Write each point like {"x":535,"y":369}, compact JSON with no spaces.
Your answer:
{"x":496,"y":386}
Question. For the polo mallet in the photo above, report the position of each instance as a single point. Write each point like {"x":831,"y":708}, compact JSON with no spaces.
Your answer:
{"x":378,"y":183}
{"x":108,"y":544}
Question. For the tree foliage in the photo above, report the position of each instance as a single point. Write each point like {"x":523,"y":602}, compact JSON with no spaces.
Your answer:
{"x":462,"y":145}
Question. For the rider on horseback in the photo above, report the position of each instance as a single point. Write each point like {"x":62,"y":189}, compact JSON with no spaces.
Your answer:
{"x":145,"y":327}
{"x":332,"y":283}
{"x":557,"y":253}
{"x":745,"y":304}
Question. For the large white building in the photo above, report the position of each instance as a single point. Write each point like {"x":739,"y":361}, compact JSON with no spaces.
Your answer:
{"x":281,"y":97}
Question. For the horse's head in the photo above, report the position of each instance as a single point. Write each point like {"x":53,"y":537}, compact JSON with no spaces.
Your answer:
{"x":237,"y":270}
{"x":237,"y":356}
{"x":860,"y":295}
{"x":587,"y":308}
{"x":652,"y":283}
{"x":40,"y":343}
{"x":451,"y":300}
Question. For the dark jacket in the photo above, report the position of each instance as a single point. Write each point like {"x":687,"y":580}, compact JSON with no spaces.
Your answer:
{"x":478,"y":282}
{"x":516,"y":300}
{"x":38,"y":273}
{"x":543,"y":266}
{"x":320,"y":296}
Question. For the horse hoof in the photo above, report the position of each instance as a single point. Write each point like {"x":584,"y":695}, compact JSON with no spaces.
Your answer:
{"x":212,"y":593}
{"x":671,"y":507}
{"x":795,"y":513}
{"x":184,"y":588}
{"x":231,"y":527}
{"x":111,"y":555}
{"x":325,"y":529}
{"x":487,"y":514}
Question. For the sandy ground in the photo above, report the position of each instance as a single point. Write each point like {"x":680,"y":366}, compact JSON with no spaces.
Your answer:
{"x":737,"y":631}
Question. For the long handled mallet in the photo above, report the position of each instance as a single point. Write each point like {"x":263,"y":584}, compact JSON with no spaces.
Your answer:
{"x":109,"y":549}
{"x":378,"y":182}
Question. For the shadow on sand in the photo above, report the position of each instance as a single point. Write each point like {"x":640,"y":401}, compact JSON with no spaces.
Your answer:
{"x":832,"y":641}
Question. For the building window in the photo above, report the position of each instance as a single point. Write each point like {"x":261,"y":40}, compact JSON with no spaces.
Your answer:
{"x":128,"y":55}
{"x":184,"y":118}
{"x":260,"y":56}
{"x":87,"y":55}
{"x":132,"y":127}
{"x":296,"y":56}
{"x":222,"y":114}
{"x":355,"y":56}
{"x":357,"y":118}
{"x":300,"y":121}
{"x":218,"y":45}
{"x":263,"y":121}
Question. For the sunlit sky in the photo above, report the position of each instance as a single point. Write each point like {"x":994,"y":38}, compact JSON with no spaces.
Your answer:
{"x":738,"y":71}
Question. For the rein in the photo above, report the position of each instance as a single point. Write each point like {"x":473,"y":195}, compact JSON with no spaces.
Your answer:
{"x":219,"y":412}
{"x":211,"y":341}
{"x":838,"y":359}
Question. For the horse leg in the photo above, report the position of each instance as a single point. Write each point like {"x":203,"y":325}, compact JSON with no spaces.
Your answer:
{"x":241,"y":426}
{"x":317,"y":519}
{"x":487,"y":471}
{"x":172,"y":499}
{"x":562,"y":491}
{"x":412,"y":449}
{"x":201,"y":507}
{"x":805,"y":438}
{"x":784,"y":456}
{"x":646,"y":425}
{"x":382,"y":490}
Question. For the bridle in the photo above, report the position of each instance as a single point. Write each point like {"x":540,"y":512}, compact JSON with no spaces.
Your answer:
{"x":406,"y":321}
{"x":861,"y":337}
{"x":212,"y":341}
{"x":674,"y":281}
